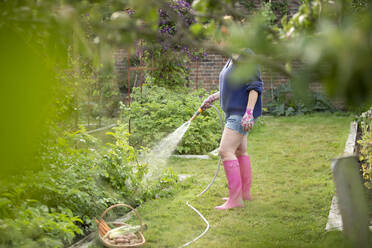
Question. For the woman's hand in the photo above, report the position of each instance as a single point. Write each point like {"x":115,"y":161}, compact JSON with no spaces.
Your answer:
{"x":247,"y":120}
{"x":208,"y":102}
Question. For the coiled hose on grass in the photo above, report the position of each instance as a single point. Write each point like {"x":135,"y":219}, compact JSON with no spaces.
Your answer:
{"x":204,"y":191}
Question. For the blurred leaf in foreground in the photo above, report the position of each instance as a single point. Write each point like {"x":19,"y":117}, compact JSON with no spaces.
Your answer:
{"x":26,"y":84}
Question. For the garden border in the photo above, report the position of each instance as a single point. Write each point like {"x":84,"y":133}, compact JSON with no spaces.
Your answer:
{"x":334,"y":216}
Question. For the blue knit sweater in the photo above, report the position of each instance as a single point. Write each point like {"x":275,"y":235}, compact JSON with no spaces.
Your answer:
{"x":234,"y":95}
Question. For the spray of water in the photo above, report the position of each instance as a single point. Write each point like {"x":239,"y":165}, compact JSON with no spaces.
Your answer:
{"x":157,"y":157}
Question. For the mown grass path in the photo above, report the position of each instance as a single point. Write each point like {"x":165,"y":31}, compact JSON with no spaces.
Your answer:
{"x":292,"y":190}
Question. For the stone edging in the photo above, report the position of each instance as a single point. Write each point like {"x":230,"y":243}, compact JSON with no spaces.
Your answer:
{"x":210,"y":155}
{"x":334,"y":216}
{"x":192,"y":156}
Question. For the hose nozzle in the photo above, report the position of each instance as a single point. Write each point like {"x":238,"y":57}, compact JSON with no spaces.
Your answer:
{"x":196,"y":114}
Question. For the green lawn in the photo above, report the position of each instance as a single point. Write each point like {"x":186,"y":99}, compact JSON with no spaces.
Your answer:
{"x":292,"y":190}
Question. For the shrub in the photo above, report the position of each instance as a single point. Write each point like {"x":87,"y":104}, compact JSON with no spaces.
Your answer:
{"x":172,"y":70}
{"x":285,"y":104}
{"x":36,"y":225}
{"x":159,"y":111}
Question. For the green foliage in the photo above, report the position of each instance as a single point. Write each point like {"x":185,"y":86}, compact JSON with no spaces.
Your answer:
{"x":330,"y":39}
{"x":171,"y":68}
{"x":322,"y":35}
{"x":62,"y":201}
{"x":79,"y":179}
{"x":92,"y":92}
{"x":284,"y":102}
{"x":203,"y":135}
{"x":268,"y":14}
{"x":280,"y":7}
{"x":359,"y":5}
{"x":303,"y":20}
{"x":36,"y":225}
{"x":44,"y":77}
{"x":248,"y":4}
{"x":104,"y":95}
{"x":75,"y":178}
{"x":159,"y":111}
{"x":164,"y":186}
{"x":365,"y":146}
{"x":25,"y":101}
{"x":120,"y":165}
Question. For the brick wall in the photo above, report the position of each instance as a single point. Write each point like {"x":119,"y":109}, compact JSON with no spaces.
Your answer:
{"x":120,"y":58}
{"x":205,"y":74}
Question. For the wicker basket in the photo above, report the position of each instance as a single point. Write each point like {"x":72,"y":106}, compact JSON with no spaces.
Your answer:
{"x":122,"y":245}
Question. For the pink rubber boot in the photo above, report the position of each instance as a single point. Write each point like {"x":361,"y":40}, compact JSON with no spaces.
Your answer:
{"x":246,"y":176}
{"x":234,"y":183}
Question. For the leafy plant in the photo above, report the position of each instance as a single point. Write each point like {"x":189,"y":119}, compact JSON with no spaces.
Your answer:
{"x":285,"y":103}
{"x":79,"y":179}
{"x":280,"y":8}
{"x":121,"y":167}
{"x":268,"y":13}
{"x":171,"y":69}
{"x":159,"y":111}
{"x":32,"y":224}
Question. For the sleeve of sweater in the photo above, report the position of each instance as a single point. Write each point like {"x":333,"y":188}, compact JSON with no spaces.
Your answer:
{"x":255,"y":85}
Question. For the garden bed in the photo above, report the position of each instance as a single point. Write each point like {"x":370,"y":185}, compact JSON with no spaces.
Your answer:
{"x":352,"y":147}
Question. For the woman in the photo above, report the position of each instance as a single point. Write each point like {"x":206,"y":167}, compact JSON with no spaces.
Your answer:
{"x":241,"y":102}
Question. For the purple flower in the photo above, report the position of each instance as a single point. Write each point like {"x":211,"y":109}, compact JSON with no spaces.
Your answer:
{"x":167,"y":27}
{"x":130,"y":11}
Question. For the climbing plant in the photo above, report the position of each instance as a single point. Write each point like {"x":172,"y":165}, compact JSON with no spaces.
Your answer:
{"x":172,"y":57}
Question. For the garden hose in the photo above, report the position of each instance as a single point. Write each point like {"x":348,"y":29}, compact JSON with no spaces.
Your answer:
{"x":196,"y":114}
{"x":209,"y":185}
